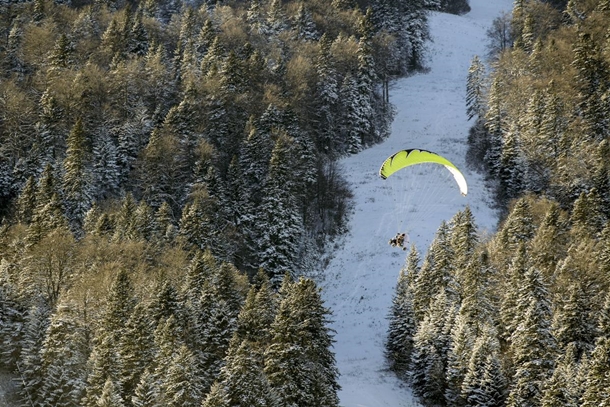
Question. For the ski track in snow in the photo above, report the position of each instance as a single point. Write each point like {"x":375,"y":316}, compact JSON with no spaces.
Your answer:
{"x":359,"y":282}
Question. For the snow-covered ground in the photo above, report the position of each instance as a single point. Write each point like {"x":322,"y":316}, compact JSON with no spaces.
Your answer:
{"x":359,"y":282}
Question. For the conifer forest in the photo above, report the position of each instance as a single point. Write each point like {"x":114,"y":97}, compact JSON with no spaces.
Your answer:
{"x":522,"y":318}
{"x":169,"y":186}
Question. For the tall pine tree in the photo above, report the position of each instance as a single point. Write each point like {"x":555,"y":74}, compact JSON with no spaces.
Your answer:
{"x":299,"y":363}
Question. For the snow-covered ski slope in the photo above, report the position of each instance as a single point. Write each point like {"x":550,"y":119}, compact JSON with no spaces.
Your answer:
{"x":359,"y":282}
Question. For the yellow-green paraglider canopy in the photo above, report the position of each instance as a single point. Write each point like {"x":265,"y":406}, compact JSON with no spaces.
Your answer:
{"x":405,"y":158}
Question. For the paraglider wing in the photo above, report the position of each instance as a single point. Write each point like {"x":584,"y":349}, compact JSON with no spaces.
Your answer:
{"x":405,"y":158}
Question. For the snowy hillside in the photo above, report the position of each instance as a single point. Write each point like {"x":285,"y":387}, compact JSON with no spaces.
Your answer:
{"x":360,"y":280}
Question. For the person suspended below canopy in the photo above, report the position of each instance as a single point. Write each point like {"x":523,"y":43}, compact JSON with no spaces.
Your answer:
{"x":399,"y":240}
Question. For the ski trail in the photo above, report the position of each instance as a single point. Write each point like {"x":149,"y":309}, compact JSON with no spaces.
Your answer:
{"x":359,"y":282}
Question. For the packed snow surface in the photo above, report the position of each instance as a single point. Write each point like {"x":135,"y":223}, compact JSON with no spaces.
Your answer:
{"x":359,"y":282}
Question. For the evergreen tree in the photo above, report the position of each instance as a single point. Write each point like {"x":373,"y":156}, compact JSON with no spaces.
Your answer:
{"x":61,"y":56}
{"x":131,"y":138}
{"x":572,"y":13}
{"x":199,"y":224}
{"x":230,"y":285}
{"x":242,"y":379}
{"x":304,"y":25}
{"x":484,"y":383}
{"x":217,"y":397}
{"x":430,"y":360}
{"x":592,"y":80}
{"x":603,"y":320}
{"x":211,"y":62}
{"x":428,"y":357}
{"x":47,"y":219}
{"x":299,"y":364}
{"x":393,"y":18}
{"x":49,"y":126}
{"x":601,"y":178}
{"x":548,"y":245}
{"x":166,"y":303}
{"x":475,"y":89}
{"x":199,"y":271}
{"x":168,"y":339}
{"x":47,"y":186}
{"x":104,"y":360}
{"x":463,"y":238}
{"x":532,"y":342}
{"x":64,"y":358}
{"x":181,"y":125}
{"x":254,"y":158}
{"x":436,"y":272}
{"x":205,"y":38}
{"x":597,"y":386}
{"x":257,"y":315}
{"x":417,"y":30}
{"x":527,"y":38}
{"x":30,"y":361}
{"x":136,"y":352}
{"x":160,"y":169}
{"x":185,"y":56}
{"x":26,"y":202}
{"x":493,"y":384}
{"x":39,"y":10}
{"x":276,"y":20}
{"x":560,"y":388}
{"x":327,"y":97}
{"x":109,"y":396}
{"x":280,"y":223}
{"x":403,"y":325}
{"x":104,"y":225}
{"x":180,"y":387}
{"x":477,"y":305}
{"x":365,"y":80}
{"x":572,"y":322}
{"x":534,"y":287}
{"x":495,"y":124}
{"x":113,"y":41}
{"x":138,"y":38}
{"x":125,"y":219}
{"x":76,"y":186}
{"x":508,"y":303}
{"x":146,"y":392}
{"x":224,"y":123}
{"x":458,"y":357}
{"x":160,"y":97}
{"x":13,"y":61}
{"x":48,"y":213}
{"x":144,"y":221}
{"x":512,"y":169}
{"x":384,"y":15}
{"x":553,"y":123}
{"x":164,"y":220}
{"x":518,"y":228}
{"x":255,"y":19}
{"x":529,"y":128}
{"x":225,"y":244}
{"x":352,"y":117}
{"x":212,"y":328}
{"x":587,"y":217}
{"x":12,"y":312}
{"x":105,"y":171}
